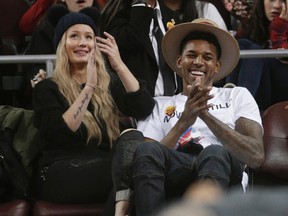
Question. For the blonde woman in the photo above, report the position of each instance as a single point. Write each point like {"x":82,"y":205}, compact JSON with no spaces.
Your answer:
{"x":78,"y":111}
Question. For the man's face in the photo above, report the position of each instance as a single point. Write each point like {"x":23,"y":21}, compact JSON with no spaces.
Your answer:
{"x":198,"y":59}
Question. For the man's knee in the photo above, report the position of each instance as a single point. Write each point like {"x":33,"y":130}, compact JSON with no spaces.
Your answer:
{"x":217,"y":163}
{"x":215,"y":151}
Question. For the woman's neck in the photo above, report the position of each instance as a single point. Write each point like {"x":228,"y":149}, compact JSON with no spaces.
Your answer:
{"x":79,"y":72}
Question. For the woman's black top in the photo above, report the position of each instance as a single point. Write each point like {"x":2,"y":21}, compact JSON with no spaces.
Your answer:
{"x":49,"y":105}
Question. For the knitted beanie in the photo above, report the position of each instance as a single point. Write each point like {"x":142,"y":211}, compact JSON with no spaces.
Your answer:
{"x":69,"y":20}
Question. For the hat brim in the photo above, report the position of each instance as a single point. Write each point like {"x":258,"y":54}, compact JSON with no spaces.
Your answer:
{"x":230,"y":51}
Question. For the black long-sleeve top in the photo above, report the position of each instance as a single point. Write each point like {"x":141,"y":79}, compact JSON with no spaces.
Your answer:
{"x":131,"y":29}
{"x":49,"y":106}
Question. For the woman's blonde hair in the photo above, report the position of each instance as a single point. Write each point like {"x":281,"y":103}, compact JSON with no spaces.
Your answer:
{"x":105,"y":110}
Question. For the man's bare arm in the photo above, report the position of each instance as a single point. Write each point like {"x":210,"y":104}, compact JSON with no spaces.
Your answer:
{"x":245,"y":142}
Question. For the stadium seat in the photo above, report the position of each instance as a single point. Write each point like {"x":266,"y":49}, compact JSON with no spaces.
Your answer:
{"x":274,"y":170}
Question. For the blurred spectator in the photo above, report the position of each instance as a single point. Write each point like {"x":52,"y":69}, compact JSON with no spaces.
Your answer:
{"x":259,"y":202}
{"x":32,"y":16}
{"x":235,"y":13}
{"x":9,"y":85}
{"x":265,"y":78}
{"x":11,"y":11}
{"x":39,"y":8}
{"x":137,"y":28}
{"x":223,"y":12}
{"x":239,"y":8}
{"x":279,"y":29}
{"x":1,"y":69}
{"x":240,"y":12}
{"x":101,"y":3}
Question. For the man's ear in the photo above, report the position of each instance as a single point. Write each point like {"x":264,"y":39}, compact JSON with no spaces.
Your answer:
{"x":217,"y":67}
{"x":179,"y":62}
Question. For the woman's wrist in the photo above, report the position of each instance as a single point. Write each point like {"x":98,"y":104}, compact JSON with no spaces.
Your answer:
{"x":90,"y":86}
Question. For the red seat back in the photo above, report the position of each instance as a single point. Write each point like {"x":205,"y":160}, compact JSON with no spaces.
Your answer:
{"x":275,"y":123}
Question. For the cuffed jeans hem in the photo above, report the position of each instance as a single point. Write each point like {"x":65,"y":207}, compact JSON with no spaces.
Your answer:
{"x":123,"y":195}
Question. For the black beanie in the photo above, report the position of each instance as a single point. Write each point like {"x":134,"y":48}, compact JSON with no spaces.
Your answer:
{"x":69,"y":20}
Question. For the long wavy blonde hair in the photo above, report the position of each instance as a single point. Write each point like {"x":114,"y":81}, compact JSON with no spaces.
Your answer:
{"x":102,"y":101}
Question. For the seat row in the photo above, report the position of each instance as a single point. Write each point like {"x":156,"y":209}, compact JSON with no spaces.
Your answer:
{"x":273,"y":172}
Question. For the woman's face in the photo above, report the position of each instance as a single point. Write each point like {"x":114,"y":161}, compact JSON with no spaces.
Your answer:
{"x":80,"y":40}
{"x":273,"y":8}
{"x":77,"y":5}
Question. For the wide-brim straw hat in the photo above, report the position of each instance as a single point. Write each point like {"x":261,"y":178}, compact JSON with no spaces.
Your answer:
{"x":230,"y":51}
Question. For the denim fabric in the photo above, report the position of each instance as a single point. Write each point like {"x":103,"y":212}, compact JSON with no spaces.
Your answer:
{"x":122,"y":161}
{"x":216,"y":163}
{"x":160,"y":173}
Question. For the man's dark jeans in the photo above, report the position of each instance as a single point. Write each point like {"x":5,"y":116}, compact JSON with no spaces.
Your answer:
{"x":159,"y":172}
{"x":122,"y":162}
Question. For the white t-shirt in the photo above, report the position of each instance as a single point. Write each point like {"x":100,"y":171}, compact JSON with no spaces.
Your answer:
{"x":229,"y":105}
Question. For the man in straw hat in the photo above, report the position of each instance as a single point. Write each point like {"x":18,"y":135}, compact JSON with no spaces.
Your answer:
{"x":204,"y":133}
